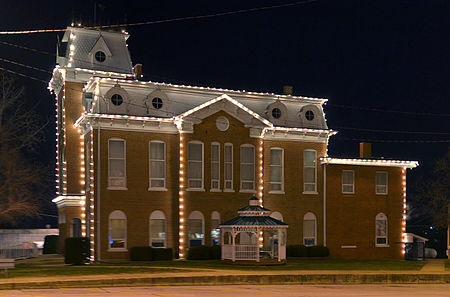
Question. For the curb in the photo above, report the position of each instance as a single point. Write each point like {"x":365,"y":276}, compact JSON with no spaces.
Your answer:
{"x":292,"y":279}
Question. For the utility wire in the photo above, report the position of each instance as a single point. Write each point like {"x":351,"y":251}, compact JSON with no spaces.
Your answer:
{"x":23,"y":65}
{"x":197,"y":17}
{"x":391,"y":141}
{"x":391,"y":131}
{"x":387,"y":110}
{"x":23,"y":75}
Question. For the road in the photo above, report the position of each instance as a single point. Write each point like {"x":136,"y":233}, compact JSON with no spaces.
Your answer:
{"x":247,"y":291}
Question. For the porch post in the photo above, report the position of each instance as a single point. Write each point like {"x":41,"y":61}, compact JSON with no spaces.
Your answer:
{"x":233,"y":250}
{"x":257,"y":245}
{"x":279,"y":244}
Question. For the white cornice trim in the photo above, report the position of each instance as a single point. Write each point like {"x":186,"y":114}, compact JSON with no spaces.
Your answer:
{"x":62,"y":201}
{"x":369,"y":162}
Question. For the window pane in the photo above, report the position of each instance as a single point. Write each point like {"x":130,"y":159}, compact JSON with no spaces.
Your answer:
{"x":195,"y":170}
{"x":309,"y":158}
{"x":275,"y":187}
{"x":117,"y":228}
{"x":275,"y":157}
{"x":381,"y":178}
{"x":347,"y":177}
{"x":157,"y":183}
{"x":215,"y":171}
{"x":309,"y":228}
{"x":347,"y":189}
{"x":310,"y":175}
{"x":214,"y":152}
{"x":157,"y":229}
{"x":228,"y":153}
{"x":157,"y":169}
{"x":116,"y":168}
{"x":381,"y":228}
{"x":116,"y":149}
{"x":157,"y":151}
{"x":247,"y":154}
{"x":195,"y":184}
{"x":247,"y":172}
{"x":228,"y":173}
{"x":195,"y":229}
{"x":195,"y":151}
{"x":275,"y":174}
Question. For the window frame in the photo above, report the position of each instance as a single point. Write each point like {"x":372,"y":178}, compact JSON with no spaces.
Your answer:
{"x":117,"y":215}
{"x":352,"y":184}
{"x":253,"y":190}
{"x":382,"y":217}
{"x":157,"y":215}
{"x":150,"y":178}
{"x":202,"y":187}
{"x":225,"y":162}
{"x":196,"y":215}
{"x":377,"y":185}
{"x":215,"y":215}
{"x":124,"y":186}
{"x":217,"y":163}
{"x":315,"y":172}
{"x":281,"y":191}
{"x":309,"y":216}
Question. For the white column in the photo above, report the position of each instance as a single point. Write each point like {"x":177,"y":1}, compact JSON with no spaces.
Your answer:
{"x":279,"y":244}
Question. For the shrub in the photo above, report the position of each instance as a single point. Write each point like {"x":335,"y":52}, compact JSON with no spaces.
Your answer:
{"x":141,"y":253}
{"x":200,"y":252}
{"x":77,"y":250}
{"x":162,"y":254}
{"x":216,"y":252}
{"x":318,"y":251}
{"x":297,"y":250}
{"x":51,"y":244}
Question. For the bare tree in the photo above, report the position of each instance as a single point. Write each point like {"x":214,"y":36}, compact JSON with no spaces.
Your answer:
{"x":21,"y":130}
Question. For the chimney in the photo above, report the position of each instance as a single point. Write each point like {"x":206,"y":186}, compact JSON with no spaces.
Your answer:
{"x":138,"y":71}
{"x":287,"y":90}
{"x":365,"y":150}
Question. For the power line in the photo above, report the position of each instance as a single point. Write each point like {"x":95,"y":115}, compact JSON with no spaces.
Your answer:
{"x":23,"y":65}
{"x":391,"y":141}
{"x":391,"y":131}
{"x":23,"y":75}
{"x":387,"y":110}
{"x":27,"y":48}
{"x":197,"y":17}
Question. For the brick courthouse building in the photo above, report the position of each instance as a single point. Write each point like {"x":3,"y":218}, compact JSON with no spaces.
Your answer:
{"x":144,"y":163}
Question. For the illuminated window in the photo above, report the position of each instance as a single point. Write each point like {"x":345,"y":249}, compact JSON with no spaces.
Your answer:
{"x":228,"y":166}
{"x":157,"y":229}
{"x":381,"y":230}
{"x":309,"y":229}
{"x":116,"y":163}
{"x":117,"y":238}
{"x":348,"y":181}
{"x":276,"y":169}
{"x":247,"y":167}
{"x":381,"y":183}
{"x":195,"y":165}
{"x":196,"y":228}
{"x":100,"y":56}
{"x":215,"y":166}
{"x":157,"y":165}
{"x":215,"y":230}
{"x":309,"y":171}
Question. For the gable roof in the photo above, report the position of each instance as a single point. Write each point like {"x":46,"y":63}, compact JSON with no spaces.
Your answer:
{"x":100,"y":44}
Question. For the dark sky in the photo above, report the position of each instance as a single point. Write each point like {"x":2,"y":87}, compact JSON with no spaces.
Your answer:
{"x":390,"y":55}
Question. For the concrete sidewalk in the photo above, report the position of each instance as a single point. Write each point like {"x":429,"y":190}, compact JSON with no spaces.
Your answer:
{"x":434,"y":266}
{"x":228,"y":277}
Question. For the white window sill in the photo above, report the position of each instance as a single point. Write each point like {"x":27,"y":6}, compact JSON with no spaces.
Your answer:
{"x":311,"y":193}
{"x":381,"y":194}
{"x":382,"y":245}
{"x":158,"y":189}
{"x":277,"y":192}
{"x":348,"y":246}
{"x":195,"y":190}
{"x":247,"y":191}
{"x":215,"y":190}
{"x":113,"y":250}
{"x":117,"y":188}
{"x":228,"y":190}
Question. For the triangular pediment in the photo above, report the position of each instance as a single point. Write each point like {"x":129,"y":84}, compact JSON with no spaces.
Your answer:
{"x":229,"y":105}
{"x":100,"y":45}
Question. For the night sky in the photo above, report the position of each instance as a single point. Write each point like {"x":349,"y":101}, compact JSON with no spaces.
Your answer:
{"x":369,"y":58}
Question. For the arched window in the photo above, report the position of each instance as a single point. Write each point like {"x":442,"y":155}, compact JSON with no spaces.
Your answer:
{"x":309,"y":229}
{"x":247,"y":167}
{"x":195,"y":165}
{"x":117,"y":230}
{"x":196,"y":228}
{"x":276,"y":215}
{"x":381,"y":230}
{"x":117,"y":164}
{"x":215,"y":231}
{"x":157,"y":229}
{"x":157,"y":165}
{"x":76,"y":227}
{"x":309,"y":171}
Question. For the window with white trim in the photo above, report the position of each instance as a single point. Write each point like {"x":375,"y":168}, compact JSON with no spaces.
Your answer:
{"x":157,"y":229}
{"x":348,"y":181}
{"x":381,"y":183}
{"x":309,"y":229}
{"x":309,"y":171}
{"x":157,"y":164}
{"x":215,"y":166}
{"x":196,"y":228}
{"x":276,"y":169}
{"x":116,"y":163}
{"x":381,"y":230}
{"x":228,"y":166}
{"x":247,"y":167}
{"x":117,"y":238}
{"x":215,"y":230}
{"x":195,"y":165}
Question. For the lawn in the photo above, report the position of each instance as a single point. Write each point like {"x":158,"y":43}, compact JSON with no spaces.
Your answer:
{"x":447,"y":265}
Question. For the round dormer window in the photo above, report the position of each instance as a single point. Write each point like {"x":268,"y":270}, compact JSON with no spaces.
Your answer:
{"x":309,"y":115}
{"x":222,"y":123}
{"x":116,"y":99}
{"x":157,"y":102}
{"x":276,"y":113}
{"x":100,"y":56}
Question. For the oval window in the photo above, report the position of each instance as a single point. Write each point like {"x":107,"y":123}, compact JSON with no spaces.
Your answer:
{"x":116,"y":99}
{"x":100,"y":56}
{"x":157,"y":102}
{"x":276,"y":113}
{"x":309,"y":115}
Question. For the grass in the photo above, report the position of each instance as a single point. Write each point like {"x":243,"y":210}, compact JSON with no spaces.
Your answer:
{"x":447,"y":265}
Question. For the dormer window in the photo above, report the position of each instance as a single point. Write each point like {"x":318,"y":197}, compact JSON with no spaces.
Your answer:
{"x":309,"y":115}
{"x":100,"y":56}
{"x":116,"y":99}
{"x":276,"y":113}
{"x":157,"y":102}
